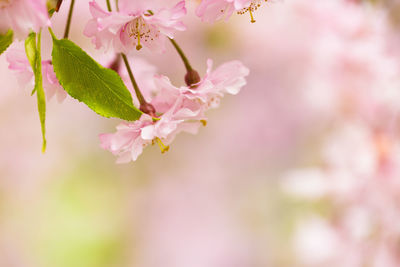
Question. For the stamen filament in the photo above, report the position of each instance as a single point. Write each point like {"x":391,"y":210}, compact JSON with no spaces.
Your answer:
{"x":163,"y":147}
{"x":138,"y":46}
{"x":251,"y":16}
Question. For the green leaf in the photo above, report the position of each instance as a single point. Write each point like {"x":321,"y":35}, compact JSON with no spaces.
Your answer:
{"x":5,"y":40}
{"x":33,"y":53}
{"x":101,"y":89}
{"x":30,"y":49}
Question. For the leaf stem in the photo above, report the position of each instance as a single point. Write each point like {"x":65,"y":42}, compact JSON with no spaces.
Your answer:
{"x":67,"y":27}
{"x":139,"y":95}
{"x":108,"y":5}
{"x":182,"y":55}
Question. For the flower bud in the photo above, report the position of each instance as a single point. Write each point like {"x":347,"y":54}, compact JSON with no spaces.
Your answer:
{"x":192,"y":77}
{"x":59,"y":2}
{"x":115,"y":64}
{"x":148,"y":109}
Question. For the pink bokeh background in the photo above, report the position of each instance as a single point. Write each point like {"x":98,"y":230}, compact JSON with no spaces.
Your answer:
{"x":301,"y":168}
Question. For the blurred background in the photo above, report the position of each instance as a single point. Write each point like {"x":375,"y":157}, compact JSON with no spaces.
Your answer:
{"x":301,"y":168}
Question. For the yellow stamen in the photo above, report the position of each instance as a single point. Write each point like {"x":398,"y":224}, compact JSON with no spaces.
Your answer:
{"x":138,"y":46}
{"x":163,"y":147}
{"x":251,"y":16}
{"x":204,"y":122}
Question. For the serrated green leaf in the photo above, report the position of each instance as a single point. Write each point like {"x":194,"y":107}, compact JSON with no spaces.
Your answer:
{"x":101,"y":89}
{"x":33,"y":53}
{"x":5,"y":40}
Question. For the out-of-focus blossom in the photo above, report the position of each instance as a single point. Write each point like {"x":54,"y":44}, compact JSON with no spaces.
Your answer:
{"x":19,"y":63}
{"x":315,"y":240}
{"x":351,"y":86}
{"x":23,"y":16}
{"x":359,"y":177}
{"x":136,"y":24}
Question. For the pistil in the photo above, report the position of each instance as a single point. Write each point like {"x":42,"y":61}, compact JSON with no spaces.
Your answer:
{"x":138,"y":46}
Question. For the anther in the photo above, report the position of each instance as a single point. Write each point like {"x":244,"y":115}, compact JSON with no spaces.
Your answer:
{"x":163,"y":147}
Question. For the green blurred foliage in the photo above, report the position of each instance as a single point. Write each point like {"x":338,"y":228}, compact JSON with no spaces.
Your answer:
{"x":83,"y":220}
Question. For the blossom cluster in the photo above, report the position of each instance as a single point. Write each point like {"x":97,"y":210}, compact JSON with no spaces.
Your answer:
{"x":166,"y":109}
{"x":182,"y":110}
{"x":136,"y":22}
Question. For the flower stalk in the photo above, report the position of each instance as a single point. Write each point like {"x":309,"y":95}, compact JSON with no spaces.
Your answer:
{"x":67,"y":26}
{"x":144,"y":106}
{"x":192,"y":76}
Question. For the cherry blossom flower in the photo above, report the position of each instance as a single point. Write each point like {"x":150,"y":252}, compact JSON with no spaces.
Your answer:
{"x":227,"y":78}
{"x":19,"y":63}
{"x":182,"y":110}
{"x":23,"y":16}
{"x":130,"y":139}
{"x":135,"y":25}
{"x":213,"y":10}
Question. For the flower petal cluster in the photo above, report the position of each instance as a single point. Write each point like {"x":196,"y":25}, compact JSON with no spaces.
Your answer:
{"x":23,"y":16}
{"x":19,"y":63}
{"x":134,"y":26}
{"x":182,"y":110}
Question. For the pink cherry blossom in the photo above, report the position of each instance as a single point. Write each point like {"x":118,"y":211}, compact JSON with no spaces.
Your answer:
{"x":127,"y":143}
{"x":182,"y":110}
{"x":213,"y":10}
{"x":137,"y":24}
{"x":22,"y":16}
{"x":227,"y":78}
{"x":130,"y":139}
{"x":19,"y":63}
{"x":51,"y":83}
